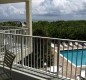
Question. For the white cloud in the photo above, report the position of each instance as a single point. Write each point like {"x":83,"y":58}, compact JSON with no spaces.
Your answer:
{"x":36,"y":2}
{"x":12,"y":10}
{"x":59,"y":8}
{"x":62,"y":6}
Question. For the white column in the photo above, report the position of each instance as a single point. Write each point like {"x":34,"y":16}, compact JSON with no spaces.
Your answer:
{"x":29,"y":22}
{"x":29,"y":16}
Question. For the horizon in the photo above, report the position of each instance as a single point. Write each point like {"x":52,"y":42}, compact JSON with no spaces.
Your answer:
{"x":34,"y":20}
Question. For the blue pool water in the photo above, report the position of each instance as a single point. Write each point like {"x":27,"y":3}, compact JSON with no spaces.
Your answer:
{"x":77,"y":57}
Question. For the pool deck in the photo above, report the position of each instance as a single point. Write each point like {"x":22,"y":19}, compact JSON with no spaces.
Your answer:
{"x":69,"y":69}
{"x":72,"y":47}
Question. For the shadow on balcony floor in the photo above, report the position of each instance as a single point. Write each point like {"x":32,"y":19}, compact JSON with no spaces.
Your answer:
{"x":20,"y":76}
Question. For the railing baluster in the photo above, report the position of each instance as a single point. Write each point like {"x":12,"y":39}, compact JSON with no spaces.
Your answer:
{"x":47,"y":54}
{"x":67,"y":60}
{"x":14,"y":47}
{"x":25,"y":47}
{"x":34,"y":50}
{"x":63,"y":64}
{"x":76,"y":60}
{"x":72,"y":60}
{"x":40,"y":53}
{"x":9,"y":43}
{"x":81,"y":60}
{"x":50,"y":55}
{"x":43,"y":56}
{"x":58,"y":53}
{"x":1,"y":47}
{"x":28,"y":52}
{"x":37,"y":52}
{"x":53,"y":57}
{"x":18,"y":42}
{"x":31,"y":49}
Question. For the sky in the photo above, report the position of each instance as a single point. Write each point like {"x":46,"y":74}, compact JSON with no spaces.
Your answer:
{"x":46,"y":10}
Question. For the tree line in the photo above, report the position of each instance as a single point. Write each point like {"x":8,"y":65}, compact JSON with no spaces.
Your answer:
{"x":61,"y":29}
{"x":58,"y":29}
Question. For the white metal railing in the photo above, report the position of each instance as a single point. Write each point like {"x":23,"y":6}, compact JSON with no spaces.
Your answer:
{"x":23,"y":31}
{"x":63,"y":58}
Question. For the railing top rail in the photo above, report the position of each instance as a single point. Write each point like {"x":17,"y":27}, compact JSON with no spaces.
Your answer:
{"x":59,"y":39}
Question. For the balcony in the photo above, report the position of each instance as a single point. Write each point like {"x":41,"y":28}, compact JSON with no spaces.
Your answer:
{"x":39,"y":58}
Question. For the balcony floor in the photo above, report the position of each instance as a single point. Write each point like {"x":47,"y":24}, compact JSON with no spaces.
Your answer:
{"x":17,"y":76}
{"x":21,"y":76}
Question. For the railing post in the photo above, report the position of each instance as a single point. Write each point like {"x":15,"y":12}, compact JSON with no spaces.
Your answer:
{"x":58,"y":52}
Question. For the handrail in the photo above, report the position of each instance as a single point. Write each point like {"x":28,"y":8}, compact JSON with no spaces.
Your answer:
{"x":80,"y":41}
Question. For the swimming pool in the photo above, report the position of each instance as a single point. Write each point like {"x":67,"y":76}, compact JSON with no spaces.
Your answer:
{"x":77,"y":57}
